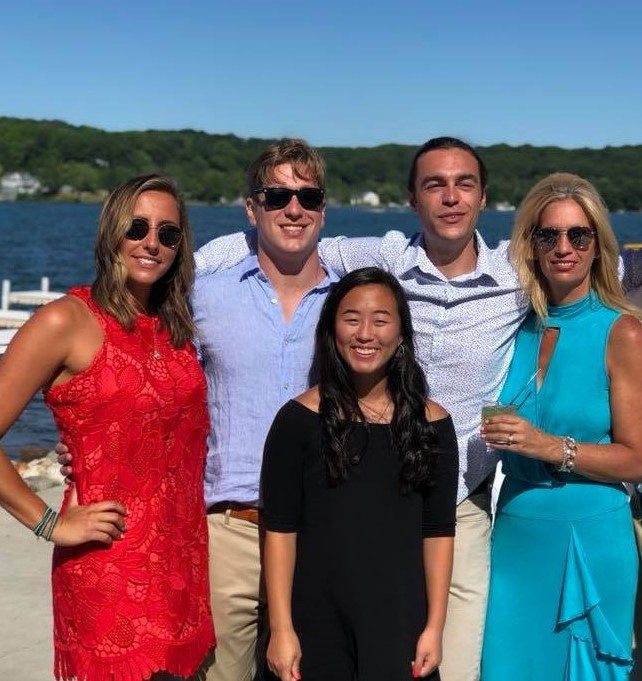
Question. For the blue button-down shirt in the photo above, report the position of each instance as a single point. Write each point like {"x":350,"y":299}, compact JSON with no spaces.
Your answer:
{"x":254,"y":362}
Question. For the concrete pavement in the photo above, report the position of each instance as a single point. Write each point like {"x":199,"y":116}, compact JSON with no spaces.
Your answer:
{"x":26,"y":647}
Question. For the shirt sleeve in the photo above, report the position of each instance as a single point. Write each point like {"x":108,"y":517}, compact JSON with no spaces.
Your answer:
{"x":440,"y":499}
{"x":343,"y":254}
{"x":225,"y":252}
{"x":630,"y":269}
{"x":282,"y":470}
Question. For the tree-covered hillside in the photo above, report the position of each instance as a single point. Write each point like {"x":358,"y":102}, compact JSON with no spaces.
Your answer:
{"x":211,"y":167}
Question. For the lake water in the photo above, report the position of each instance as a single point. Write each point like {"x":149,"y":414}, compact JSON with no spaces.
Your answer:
{"x":56,"y":240}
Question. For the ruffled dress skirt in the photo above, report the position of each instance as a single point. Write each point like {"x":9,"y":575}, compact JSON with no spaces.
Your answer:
{"x":563,"y":583}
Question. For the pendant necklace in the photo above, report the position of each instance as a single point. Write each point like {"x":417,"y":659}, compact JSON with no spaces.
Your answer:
{"x":155,"y":352}
{"x":380,"y":416}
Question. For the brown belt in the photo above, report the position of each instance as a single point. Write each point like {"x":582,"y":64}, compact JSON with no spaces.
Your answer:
{"x":240,"y":511}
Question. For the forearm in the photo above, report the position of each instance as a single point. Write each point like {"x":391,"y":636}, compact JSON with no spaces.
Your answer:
{"x":343,"y":254}
{"x":604,"y":463}
{"x":279,"y":561}
{"x":224,"y":252}
{"x":438,"y":566}
{"x":614,"y":462}
{"x":16,"y":497}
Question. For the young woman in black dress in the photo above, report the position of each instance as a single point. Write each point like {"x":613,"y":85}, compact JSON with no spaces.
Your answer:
{"x":359,"y":488}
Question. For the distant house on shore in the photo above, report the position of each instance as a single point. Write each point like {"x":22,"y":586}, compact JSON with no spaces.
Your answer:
{"x":504,"y":206}
{"x":366,"y":199}
{"x":17,"y":184}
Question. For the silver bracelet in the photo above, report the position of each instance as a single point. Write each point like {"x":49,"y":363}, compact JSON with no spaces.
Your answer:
{"x":569,"y":451}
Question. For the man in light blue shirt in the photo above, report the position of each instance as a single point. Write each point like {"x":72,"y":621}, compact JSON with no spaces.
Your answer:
{"x":467,"y":306}
{"x":255,"y":332}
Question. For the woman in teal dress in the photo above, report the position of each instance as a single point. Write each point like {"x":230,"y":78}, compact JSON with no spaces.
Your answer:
{"x":563,"y":557}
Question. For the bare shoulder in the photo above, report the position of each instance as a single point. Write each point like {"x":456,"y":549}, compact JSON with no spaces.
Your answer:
{"x":53,"y":320}
{"x":626,"y":335}
{"x":54,"y":333}
{"x":625,"y":344}
{"x":627,"y":329}
{"x":434,"y":411}
{"x":310,"y":399}
{"x":42,"y":345}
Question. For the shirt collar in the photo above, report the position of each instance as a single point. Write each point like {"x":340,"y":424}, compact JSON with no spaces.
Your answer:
{"x":250,"y":267}
{"x":485,"y":268}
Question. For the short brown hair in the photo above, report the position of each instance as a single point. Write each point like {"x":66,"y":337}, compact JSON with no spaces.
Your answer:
{"x":306,"y":162}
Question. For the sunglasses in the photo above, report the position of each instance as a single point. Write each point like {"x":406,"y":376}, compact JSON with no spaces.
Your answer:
{"x":310,"y":198}
{"x":168,"y":235}
{"x":580,"y":238}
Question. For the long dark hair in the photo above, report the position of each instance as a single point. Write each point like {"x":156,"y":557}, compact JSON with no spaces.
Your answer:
{"x":413,"y":437}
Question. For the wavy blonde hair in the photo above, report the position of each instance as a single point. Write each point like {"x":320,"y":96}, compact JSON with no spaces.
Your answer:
{"x":170,"y":294}
{"x":604,"y":270}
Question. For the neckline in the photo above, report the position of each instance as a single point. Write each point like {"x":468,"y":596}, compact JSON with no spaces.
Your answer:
{"x":144,"y":319}
{"x":571,"y":310}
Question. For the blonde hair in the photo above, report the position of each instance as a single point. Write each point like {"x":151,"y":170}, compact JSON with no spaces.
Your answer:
{"x":604,"y":270}
{"x":170,"y":294}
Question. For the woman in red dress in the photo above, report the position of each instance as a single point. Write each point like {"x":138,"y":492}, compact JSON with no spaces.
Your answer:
{"x":120,"y":375}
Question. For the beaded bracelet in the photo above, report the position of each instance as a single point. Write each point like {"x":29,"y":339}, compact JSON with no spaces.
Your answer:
{"x":47,"y":523}
{"x":569,"y":451}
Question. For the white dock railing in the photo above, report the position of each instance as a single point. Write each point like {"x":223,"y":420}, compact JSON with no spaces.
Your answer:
{"x":13,"y":319}
{"x":35,"y":297}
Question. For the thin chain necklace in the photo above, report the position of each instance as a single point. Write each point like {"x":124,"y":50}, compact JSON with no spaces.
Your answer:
{"x":379,"y":416}
{"x":155,"y":352}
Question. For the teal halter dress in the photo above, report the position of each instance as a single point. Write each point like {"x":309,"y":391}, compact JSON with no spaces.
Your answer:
{"x":563,"y":556}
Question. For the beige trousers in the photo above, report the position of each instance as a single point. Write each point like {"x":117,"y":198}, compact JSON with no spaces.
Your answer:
{"x":464,"y":630}
{"x":236,"y":598}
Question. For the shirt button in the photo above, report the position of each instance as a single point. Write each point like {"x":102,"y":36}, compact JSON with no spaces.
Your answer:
{"x":274,"y":301}
{"x":286,"y":386}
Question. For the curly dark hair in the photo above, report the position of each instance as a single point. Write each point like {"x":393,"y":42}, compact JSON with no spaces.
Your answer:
{"x":413,"y":436}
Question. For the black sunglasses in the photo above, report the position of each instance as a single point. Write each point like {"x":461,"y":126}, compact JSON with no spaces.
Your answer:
{"x":310,"y":198}
{"x":168,"y":235}
{"x":546,"y":238}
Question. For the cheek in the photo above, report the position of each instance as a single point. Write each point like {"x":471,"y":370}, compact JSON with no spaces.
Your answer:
{"x":539,"y":261}
{"x":341,"y":349}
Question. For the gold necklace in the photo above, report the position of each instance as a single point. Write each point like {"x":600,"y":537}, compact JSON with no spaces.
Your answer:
{"x":155,"y":352}
{"x":380,"y":416}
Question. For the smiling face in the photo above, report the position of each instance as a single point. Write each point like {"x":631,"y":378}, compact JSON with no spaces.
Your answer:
{"x":567,"y":270}
{"x":447,"y":197}
{"x":286,"y":235}
{"x":368,"y":330}
{"x":147,"y":260}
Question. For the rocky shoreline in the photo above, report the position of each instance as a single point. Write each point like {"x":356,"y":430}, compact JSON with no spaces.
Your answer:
{"x":39,"y":468}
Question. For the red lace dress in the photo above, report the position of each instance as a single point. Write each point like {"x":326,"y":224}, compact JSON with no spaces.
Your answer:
{"x":136,"y":425}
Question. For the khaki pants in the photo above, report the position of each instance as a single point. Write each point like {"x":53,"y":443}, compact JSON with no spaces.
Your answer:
{"x":236,"y":597}
{"x":464,"y":630}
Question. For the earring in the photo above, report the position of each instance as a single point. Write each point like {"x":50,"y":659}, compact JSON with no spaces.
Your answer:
{"x":400,"y":350}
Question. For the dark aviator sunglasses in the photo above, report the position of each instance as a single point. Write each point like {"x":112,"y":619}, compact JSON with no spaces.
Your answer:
{"x":310,"y":198}
{"x":169,"y":235}
{"x":546,"y":238}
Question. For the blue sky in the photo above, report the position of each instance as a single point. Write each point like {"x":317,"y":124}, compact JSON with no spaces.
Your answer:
{"x":336,"y":72}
